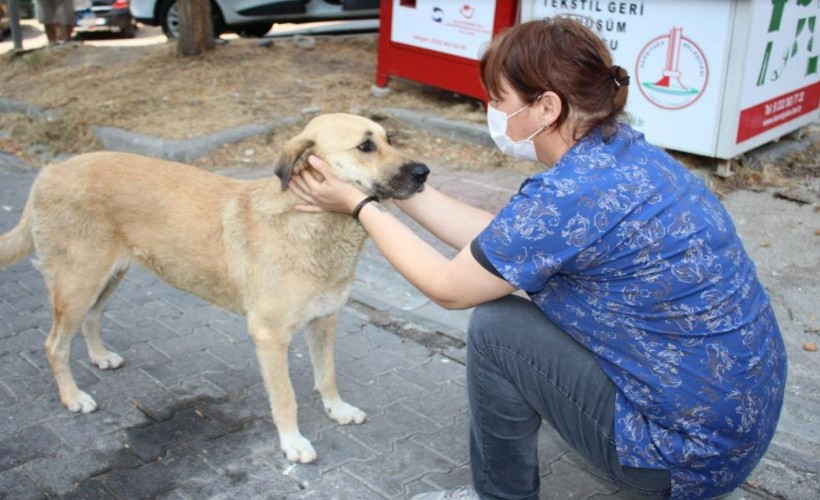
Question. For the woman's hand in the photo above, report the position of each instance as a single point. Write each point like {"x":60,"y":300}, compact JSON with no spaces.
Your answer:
{"x":458,"y":284}
{"x":328,"y":195}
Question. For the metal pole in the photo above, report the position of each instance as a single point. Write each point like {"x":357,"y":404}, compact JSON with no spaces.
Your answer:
{"x":14,"y":18}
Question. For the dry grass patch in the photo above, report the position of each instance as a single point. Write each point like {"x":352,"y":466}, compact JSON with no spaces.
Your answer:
{"x":150,"y":90}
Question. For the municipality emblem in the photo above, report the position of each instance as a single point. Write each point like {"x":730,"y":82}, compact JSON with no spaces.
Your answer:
{"x":672,"y":71}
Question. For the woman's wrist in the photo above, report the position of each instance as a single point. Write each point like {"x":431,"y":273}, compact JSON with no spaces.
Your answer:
{"x":418,"y":200}
{"x":349,"y":200}
{"x":360,"y":205}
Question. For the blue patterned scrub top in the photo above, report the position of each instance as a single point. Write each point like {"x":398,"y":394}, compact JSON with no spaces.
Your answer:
{"x":637,"y":260}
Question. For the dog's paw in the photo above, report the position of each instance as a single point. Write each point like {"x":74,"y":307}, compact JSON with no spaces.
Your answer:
{"x":298,"y":449}
{"x":82,"y":403}
{"x":344,"y":413}
{"x":110,"y":361}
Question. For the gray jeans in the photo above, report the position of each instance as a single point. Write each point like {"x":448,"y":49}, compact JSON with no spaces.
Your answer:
{"x":522,"y":368}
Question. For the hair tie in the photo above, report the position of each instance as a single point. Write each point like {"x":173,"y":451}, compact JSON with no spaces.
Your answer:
{"x":618,"y":80}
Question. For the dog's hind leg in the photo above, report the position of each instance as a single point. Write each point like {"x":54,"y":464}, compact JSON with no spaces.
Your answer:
{"x":271,"y":340}
{"x":320,"y":336}
{"x":97,"y":351}
{"x":77,"y":274}
{"x":73,"y":293}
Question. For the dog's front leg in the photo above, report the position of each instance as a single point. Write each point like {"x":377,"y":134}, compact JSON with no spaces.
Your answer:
{"x":99,"y":354}
{"x":272,"y":352}
{"x":320,"y":336}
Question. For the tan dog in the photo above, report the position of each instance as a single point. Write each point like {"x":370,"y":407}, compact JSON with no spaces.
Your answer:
{"x":237,"y":244}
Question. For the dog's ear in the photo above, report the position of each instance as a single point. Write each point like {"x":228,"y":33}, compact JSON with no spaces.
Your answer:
{"x":293,"y":151}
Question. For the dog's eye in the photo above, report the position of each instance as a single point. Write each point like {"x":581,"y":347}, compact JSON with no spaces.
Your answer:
{"x":367,"y":146}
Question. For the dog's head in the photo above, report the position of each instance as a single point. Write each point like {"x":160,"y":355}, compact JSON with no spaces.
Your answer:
{"x":358,"y":151}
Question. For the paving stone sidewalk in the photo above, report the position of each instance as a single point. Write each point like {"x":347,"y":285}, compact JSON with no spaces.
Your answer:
{"x":187,"y":416}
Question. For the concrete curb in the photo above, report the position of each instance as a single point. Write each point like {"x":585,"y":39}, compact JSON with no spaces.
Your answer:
{"x":13,"y":106}
{"x":470,"y":133}
{"x":115,"y":139}
{"x":12,"y":163}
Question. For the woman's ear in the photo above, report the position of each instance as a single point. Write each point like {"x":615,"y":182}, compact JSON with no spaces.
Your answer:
{"x":549,"y":106}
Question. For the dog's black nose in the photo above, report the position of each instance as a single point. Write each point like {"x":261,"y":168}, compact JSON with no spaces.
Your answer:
{"x":419,"y":171}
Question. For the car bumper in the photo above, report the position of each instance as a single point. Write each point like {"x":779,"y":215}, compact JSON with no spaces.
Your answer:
{"x":112,"y":20}
{"x":143,"y":11}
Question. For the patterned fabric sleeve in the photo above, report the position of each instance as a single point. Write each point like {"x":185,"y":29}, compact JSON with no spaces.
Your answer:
{"x":478,"y":255}
{"x":531,"y":238}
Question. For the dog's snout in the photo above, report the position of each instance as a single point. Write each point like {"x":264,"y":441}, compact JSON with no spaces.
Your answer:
{"x":408,"y":181}
{"x":419,"y":171}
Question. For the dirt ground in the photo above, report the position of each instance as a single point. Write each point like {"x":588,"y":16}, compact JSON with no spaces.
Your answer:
{"x":150,"y":90}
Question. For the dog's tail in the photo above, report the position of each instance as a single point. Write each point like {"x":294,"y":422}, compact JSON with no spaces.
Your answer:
{"x":18,"y":242}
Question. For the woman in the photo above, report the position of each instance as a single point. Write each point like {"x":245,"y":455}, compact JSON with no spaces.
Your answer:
{"x":648,"y":343}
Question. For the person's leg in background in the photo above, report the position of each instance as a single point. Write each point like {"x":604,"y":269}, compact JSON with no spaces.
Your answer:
{"x":52,"y":33}
{"x":47,"y":15}
{"x":522,"y":368}
{"x":66,"y":19}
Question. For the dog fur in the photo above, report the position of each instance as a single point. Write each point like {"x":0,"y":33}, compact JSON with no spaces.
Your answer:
{"x":237,"y":244}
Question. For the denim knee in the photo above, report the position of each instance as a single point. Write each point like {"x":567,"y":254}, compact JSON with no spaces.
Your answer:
{"x":488,"y":319}
{"x":476,"y":328}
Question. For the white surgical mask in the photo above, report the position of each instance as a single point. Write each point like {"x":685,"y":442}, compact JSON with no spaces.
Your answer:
{"x":497,"y":123}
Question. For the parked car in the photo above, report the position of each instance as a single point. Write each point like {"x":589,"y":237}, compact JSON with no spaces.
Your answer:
{"x":254,"y":17}
{"x":104,"y":15}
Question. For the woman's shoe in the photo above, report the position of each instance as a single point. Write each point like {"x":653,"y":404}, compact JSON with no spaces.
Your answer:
{"x":459,"y":493}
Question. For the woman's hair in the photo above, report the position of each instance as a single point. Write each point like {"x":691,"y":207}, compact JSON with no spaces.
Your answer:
{"x":563,"y":56}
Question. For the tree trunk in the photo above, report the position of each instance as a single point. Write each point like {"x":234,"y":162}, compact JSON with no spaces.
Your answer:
{"x":196,"y":31}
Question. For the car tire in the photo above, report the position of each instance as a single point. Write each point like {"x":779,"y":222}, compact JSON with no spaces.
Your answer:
{"x":169,"y":19}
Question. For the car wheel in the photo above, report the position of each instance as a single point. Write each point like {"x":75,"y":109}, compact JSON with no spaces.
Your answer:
{"x":169,"y":18}
{"x":255,"y":30}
